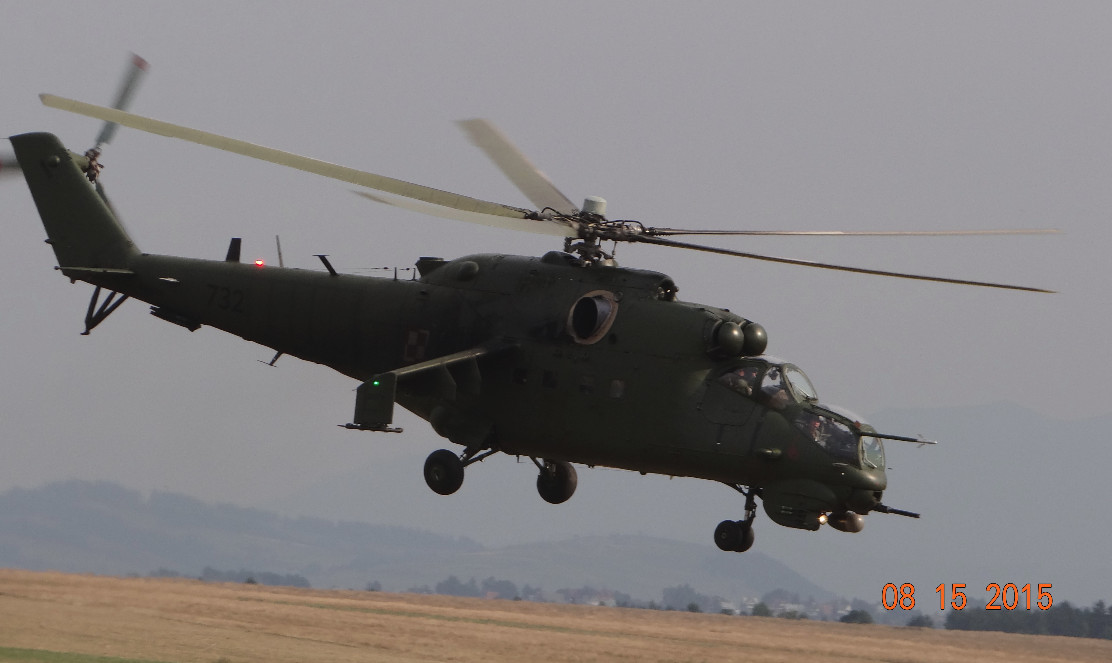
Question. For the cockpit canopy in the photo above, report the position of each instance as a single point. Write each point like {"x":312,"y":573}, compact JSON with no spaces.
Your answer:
{"x":785,"y":388}
{"x":771,"y":382}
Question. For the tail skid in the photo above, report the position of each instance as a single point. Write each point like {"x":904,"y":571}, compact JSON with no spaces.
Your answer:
{"x":94,"y":316}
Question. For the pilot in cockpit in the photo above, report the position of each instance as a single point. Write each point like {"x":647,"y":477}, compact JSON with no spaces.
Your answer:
{"x":741,"y":380}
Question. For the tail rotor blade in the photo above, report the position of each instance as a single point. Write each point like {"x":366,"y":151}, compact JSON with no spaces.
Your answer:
{"x":134,"y":74}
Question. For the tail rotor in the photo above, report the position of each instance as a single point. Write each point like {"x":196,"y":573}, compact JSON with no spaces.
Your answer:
{"x":129,"y":84}
{"x":133,"y":75}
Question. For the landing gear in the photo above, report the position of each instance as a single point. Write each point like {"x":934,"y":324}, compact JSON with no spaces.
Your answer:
{"x":444,"y":473}
{"x":444,"y":470}
{"x":557,"y":481}
{"x":737,"y":535}
{"x":734,"y":535}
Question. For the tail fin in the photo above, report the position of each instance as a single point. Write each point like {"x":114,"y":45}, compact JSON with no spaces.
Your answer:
{"x":81,"y":227}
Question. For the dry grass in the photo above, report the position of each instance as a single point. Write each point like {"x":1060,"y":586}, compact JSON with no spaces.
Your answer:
{"x":184,"y":620}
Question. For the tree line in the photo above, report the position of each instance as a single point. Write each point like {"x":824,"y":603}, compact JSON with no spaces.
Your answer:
{"x":210,"y":574}
{"x":1061,"y":619}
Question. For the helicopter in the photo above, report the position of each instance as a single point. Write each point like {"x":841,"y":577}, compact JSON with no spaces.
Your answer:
{"x":566,"y":359}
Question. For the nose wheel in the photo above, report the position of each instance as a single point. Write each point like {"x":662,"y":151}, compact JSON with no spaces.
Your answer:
{"x":734,"y":535}
{"x":737,"y":535}
{"x":557,"y":481}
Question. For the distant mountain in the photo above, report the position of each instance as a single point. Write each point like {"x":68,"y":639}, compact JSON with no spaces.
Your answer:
{"x":86,"y":527}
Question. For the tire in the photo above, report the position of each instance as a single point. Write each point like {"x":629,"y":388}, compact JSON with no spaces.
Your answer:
{"x":727,"y":536}
{"x":443,"y":472}
{"x":734,"y":536}
{"x":556,"y":483}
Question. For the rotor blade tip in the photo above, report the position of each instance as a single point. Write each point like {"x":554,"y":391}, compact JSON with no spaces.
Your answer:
{"x":138,"y":61}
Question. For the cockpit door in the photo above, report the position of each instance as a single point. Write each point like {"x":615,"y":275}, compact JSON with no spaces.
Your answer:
{"x":728,"y":398}
{"x":729,"y":402}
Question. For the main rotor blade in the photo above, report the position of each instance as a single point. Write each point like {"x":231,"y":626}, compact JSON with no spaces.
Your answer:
{"x":137,"y":67}
{"x":516,"y":166}
{"x":807,"y":263}
{"x":555,"y":227}
{"x":667,"y":232}
{"x":307,"y":164}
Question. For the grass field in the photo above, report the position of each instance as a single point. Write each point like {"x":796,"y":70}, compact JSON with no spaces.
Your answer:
{"x":84,"y":619}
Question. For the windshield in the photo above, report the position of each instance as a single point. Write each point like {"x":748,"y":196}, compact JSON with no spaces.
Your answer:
{"x":800,"y":384}
{"x":872,"y":448}
{"x":874,"y":452}
{"x":831,"y":434}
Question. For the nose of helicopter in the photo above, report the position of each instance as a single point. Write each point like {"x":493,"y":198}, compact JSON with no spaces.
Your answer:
{"x":862,"y":500}
{"x":870,"y":481}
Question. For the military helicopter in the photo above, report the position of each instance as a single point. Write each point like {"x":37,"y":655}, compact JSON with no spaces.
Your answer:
{"x":565,"y":359}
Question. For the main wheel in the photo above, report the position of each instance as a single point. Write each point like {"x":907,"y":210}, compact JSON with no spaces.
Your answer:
{"x":734,"y":535}
{"x":443,"y":472}
{"x":727,"y":535}
{"x":557,"y":481}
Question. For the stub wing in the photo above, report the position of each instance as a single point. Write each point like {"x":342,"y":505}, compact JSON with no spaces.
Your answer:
{"x":374,"y":399}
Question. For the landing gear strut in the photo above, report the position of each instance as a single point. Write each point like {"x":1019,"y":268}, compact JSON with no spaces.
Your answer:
{"x":737,"y":535}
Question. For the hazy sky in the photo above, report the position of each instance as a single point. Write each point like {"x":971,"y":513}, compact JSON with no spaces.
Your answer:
{"x":867,"y":115}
